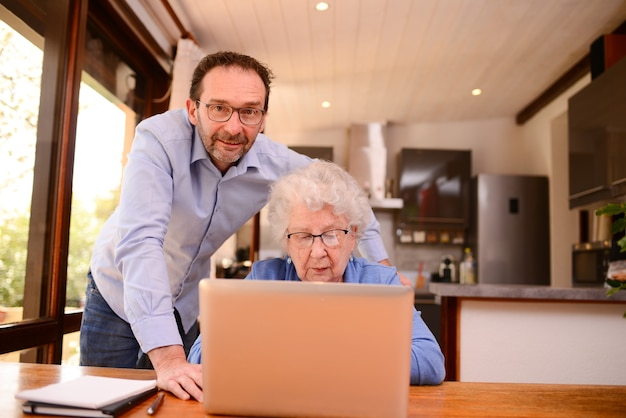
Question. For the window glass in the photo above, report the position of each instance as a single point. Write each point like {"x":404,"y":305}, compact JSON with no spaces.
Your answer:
{"x":100,"y":138}
{"x":113,"y":97}
{"x":15,"y":356}
{"x":105,"y":127}
{"x":20,"y":84}
{"x":71,"y":352}
{"x":104,"y":131}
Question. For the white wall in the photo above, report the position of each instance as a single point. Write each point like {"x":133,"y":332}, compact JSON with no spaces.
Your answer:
{"x":335,"y":138}
{"x":537,"y":342}
{"x":494,"y":143}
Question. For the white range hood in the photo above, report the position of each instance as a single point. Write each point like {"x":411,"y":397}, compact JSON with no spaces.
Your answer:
{"x":367,"y":163}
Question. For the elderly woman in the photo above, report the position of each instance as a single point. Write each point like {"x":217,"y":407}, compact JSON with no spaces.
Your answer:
{"x":318,"y":213}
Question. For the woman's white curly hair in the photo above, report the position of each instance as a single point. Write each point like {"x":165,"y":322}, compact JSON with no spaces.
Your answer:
{"x":318,"y":184}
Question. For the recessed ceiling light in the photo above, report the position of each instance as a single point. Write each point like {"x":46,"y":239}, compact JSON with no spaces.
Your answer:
{"x":325,"y":104}
{"x":477,"y":92}
{"x":321,"y":6}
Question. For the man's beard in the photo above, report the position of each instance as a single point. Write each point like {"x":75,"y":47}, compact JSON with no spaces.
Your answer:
{"x":214,"y":151}
{"x":226,"y":157}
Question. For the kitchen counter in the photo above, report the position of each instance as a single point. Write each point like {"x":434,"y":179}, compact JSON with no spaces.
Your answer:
{"x":503,"y":291}
{"x":532,"y":334}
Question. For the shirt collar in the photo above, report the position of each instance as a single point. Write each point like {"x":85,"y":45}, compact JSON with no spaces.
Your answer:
{"x":198,"y":152}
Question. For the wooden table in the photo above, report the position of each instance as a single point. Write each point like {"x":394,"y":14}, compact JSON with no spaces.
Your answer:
{"x":449,"y":399}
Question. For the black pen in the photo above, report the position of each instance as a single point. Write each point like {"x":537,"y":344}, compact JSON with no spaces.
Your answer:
{"x":156,"y":404}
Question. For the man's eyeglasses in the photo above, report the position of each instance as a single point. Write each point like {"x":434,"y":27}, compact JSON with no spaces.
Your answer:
{"x":331,"y":238}
{"x":223,"y":113}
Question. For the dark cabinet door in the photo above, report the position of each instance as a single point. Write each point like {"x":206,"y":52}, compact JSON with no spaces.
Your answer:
{"x":588,"y":165}
{"x":434,"y":186}
{"x":618,"y":161}
{"x":597,"y":139}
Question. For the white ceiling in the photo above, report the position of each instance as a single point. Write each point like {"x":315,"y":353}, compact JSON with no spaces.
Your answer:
{"x":400,"y":61}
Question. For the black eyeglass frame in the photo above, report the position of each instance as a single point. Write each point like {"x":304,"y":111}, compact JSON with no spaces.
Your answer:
{"x":320,"y":236}
{"x":232,"y":110}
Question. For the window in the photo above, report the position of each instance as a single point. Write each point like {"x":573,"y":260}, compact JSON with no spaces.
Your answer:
{"x":63,"y":158}
{"x":19,"y":91}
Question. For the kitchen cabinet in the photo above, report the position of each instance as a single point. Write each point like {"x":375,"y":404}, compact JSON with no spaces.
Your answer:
{"x":588,"y":173}
{"x":430,"y":310}
{"x":434,"y":185}
{"x":618,"y":161}
{"x":597,"y":139}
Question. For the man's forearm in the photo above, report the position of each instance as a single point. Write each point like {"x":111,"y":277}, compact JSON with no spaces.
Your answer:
{"x":162,"y":356}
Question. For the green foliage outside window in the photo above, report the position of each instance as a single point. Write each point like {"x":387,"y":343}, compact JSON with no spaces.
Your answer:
{"x":14,"y":243}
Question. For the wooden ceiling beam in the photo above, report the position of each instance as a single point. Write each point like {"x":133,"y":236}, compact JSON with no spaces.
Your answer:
{"x":568,"y":79}
{"x":571,"y":76}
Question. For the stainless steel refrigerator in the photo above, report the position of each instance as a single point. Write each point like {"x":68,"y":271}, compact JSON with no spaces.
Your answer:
{"x":509,"y":230}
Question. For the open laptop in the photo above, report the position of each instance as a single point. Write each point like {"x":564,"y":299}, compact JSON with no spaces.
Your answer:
{"x":276,"y":348}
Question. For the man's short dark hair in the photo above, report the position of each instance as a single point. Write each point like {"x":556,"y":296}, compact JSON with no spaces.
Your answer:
{"x":229,"y":59}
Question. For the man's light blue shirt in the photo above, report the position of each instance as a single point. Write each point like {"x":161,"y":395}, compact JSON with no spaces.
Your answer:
{"x":176,"y":209}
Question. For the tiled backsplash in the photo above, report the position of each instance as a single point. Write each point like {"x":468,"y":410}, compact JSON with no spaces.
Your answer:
{"x":408,"y":257}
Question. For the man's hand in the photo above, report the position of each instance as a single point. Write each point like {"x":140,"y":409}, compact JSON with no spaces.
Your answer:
{"x":175,"y":374}
{"x":403,"y":279}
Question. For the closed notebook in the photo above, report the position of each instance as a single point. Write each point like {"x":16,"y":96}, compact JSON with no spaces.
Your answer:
{"x":87,"y":396}
{"x":275,"y":348}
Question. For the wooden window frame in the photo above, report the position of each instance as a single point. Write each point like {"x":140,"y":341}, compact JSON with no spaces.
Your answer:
{"x":63,"y":24}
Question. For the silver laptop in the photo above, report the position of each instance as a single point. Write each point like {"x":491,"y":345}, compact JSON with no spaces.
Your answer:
{"x":276,"y":348}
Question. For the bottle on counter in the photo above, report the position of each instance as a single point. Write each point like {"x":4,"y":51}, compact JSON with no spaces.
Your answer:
{"x":467,"y":268}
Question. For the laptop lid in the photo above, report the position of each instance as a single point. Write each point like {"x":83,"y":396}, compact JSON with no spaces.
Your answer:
{"x":277,"y":348}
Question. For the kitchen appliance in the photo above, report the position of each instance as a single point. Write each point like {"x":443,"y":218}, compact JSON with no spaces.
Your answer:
{"x":590,"y":263}
{"x":447,"y":269}
{"x":510,"y":229}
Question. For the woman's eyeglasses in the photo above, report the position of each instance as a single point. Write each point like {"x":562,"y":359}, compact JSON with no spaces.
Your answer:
{"x":330,"y":238}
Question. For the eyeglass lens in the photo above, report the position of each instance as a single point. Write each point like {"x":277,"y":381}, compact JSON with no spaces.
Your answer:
{"x":329,"y":238}
{"x":222,"y":113}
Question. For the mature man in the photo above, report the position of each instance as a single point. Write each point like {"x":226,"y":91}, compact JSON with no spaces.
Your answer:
{"x":194,"y":176}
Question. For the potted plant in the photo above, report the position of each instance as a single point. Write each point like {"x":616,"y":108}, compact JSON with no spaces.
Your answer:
{"x":616,"y":282}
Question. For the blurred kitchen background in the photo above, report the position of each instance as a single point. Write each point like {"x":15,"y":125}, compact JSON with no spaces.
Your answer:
{"x":522,"y":199}
{"x":466,"y":122}
{"x":502,"y":142}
